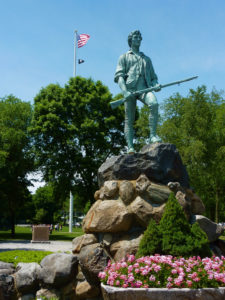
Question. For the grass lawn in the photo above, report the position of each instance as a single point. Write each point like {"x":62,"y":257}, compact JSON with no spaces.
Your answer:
{"x":25,"y":233}
{"x":16,"y":256}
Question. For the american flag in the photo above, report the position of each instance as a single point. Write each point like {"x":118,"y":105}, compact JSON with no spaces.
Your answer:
{"x":82,"y":39}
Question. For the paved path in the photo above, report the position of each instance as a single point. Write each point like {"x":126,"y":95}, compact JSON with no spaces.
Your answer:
{"x":53,"y":246}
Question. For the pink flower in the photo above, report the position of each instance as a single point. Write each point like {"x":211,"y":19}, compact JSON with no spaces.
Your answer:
{"x":117,"y":282}
{"x":188,"y":269}
{"x":169,"y":279}
{"x":137,"y":270}
{"x":125,"y":285}
{"x":169,"y":285}
{"x":130,"y":268}
{"x":174,"y":271}
{"x":152,"y":278}
{"x":130,"y":278}
{"x":124,"y":264}
{"x":210,"y":276}
{"x":157,"y":268}
{"x":102,"y":275}
{"x":189,"y":283}
{"x":196,"y":279}
{"x":177,"y":281}
{"x":131,"y":258}
{"x":144,"y":272}
{"x":138,"y":283}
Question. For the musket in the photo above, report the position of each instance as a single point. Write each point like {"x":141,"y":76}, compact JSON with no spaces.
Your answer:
{"x":116,"y":103}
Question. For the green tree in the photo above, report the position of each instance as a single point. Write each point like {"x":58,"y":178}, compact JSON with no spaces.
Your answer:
{"x":74,"y":131}
{"x":16,"y":158}
{"x":45,"y":204}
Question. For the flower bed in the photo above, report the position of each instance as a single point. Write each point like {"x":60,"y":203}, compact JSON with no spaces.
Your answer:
{"x":165,"y":271}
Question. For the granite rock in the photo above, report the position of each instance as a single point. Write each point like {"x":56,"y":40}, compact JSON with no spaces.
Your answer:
{"x":160,"y":162}
{"x":107,"y":216}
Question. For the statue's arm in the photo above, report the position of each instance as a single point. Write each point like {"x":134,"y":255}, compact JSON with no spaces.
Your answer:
{"x":120,"y":75}
{"x":153,"y":76}
{"x":120,"y":69}
{"x":123,"y":87}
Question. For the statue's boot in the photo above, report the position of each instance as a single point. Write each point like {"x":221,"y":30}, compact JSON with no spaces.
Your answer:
{"x":153,"y":119}
{"x":129,"y":136}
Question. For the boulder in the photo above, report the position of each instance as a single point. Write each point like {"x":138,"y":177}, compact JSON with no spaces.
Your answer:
{"x":110,"y":188}
{"x":126,"y":245}
{"x":48,"y":294}
{"x":197,"y":206}
{"x":144,"y":211}
{"x":184,"y":201}
{"x":212,"y":229}
{"x":194,"y":203}
{"x":58,"y":269}
{"x":156,"y":194}
{"x":221,"y":245}
{"x":68,"y":291}
{"x":85,"y":290}
{"x":27,"y":277}
{"x":107,"y":239}
{"x":6,"y":268}
{"x":27,"y":297}
{"x":127,"y":192}
{"x":4,"y":265}
{"x":92,"y":259}
{"x":160,"y":162}
{"x":142,"y":183}
{"x":83,"y":240}
{"x":107,"y":216}
{"x":7,"y":288}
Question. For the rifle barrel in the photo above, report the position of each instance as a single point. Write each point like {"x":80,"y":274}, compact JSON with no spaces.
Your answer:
{"x":116,"y":103}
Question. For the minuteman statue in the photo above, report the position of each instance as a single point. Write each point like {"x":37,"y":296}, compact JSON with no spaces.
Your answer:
{"x":135,"y":72}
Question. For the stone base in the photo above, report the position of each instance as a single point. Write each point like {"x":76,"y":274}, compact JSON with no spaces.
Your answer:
{"x":112,"y":293}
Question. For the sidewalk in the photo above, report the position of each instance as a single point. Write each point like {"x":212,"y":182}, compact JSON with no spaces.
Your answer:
{"x":53,"y":246}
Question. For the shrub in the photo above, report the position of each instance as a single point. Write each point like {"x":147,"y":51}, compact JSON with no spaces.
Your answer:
{"x":174,"y":235}
{"x":151,"y":241}
{"x":200,"y":241}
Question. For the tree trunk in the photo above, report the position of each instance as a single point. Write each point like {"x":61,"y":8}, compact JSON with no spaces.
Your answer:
{"x":12,"y":215}
{"x":217,"y":208}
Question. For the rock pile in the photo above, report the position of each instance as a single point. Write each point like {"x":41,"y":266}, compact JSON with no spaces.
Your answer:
{"x":133,"y":189}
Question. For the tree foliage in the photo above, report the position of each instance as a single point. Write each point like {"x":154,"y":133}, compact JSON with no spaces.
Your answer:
{"x":16,"y":159}
{"x":74,"y":131}
{"x":45,"y":205}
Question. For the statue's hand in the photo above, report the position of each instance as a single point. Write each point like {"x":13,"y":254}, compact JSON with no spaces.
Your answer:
{"x":157,"y":87}
{"x":127,"y":95}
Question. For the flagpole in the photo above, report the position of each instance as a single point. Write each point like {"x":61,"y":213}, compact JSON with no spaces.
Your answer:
{"x":75,"y":53}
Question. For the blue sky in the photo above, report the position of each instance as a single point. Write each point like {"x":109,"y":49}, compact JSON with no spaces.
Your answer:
{"x":183,"y":38}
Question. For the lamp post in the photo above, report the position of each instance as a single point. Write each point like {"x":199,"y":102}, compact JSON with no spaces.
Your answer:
{"x":71,"y":213}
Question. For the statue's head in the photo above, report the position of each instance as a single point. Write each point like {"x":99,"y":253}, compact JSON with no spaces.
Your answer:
{"x":135,"y":32}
